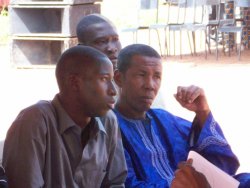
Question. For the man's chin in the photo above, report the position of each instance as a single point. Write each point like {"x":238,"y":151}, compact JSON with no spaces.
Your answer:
{"x":145,"y":108}
{"x":100,"y":114}
{"x":108,"y":107}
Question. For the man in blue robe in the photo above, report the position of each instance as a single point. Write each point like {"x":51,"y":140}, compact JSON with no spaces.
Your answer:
{"x":155,"y":140}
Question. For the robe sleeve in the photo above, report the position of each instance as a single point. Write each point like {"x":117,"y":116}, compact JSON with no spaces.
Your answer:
{"x":212,"y":145}
{"x":244,"y":179}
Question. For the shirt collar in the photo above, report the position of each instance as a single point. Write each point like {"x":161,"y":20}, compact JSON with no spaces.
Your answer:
{"x":147,"y":119}
{"x":65,"y":122}
{"x":100,"y":125}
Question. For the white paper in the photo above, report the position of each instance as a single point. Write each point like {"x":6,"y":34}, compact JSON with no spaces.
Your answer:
{"x":215,"y":176}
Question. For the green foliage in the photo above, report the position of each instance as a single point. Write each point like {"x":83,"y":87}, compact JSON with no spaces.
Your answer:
{"x":4,"y":12}
{"x":4,"y":23}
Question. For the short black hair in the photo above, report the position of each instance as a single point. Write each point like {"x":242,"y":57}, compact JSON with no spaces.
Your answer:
{"x":126,"y":54}
{"x":85,"y":22}
{"x":76,"y":59}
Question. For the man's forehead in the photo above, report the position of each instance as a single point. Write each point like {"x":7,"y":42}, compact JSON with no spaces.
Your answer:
{"x":141,"y":60}
{"x":144,"y":63}
{"x":104,"y":67}
{"x":103,"y":29}
{"x":98,"y":67}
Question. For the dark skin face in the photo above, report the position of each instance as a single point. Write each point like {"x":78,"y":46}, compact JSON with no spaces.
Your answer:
{"x":96,"y":90}
{"x":103,"y":36}
{"x":90,"y":92}
{"x":139,"y":86}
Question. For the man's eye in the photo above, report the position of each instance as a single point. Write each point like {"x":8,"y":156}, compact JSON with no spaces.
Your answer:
{"x":116,"y":39}
{"x":104,"y":79}
{"x":141,"y":75}
{"x":101,"y":41}
{"x":158,"y":77}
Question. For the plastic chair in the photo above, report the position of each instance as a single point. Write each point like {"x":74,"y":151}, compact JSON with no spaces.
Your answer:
{"x":197,"y":21}
{"x":160,"y":26}
{"x":137,"y":25}
{"x":176,"y":10}
{"x":177,"y":23}
{"x":215,"y":6}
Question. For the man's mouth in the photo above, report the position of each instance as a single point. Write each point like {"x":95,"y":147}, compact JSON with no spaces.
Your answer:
{"x":147,"y":99}
{"x":112,"y":57}
{"x":111,"y":104}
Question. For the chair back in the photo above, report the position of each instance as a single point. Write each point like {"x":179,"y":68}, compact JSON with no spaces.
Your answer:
{"x":216,"y":4}
{"x":229,"y":17}
{"x":176,"y":11}
{"x":231,"y":21}
{"x":216,"y":15}
{"x":203,"y":8}
{"x":242,"y":3}
{"x":210,"y":2}
{"x":195,"y":12}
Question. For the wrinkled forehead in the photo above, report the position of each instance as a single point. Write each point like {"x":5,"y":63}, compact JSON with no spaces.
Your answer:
{"x":100,"y":30}
{"x":146,"y":63}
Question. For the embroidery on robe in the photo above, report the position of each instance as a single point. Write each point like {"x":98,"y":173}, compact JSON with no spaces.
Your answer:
{"x":158,"y":154}
{"x":215,"y":139}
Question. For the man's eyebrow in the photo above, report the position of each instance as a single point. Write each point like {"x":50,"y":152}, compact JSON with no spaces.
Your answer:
{"x":104,"y":73}
{"x":158,"y":72}
{"x":107,"y":36}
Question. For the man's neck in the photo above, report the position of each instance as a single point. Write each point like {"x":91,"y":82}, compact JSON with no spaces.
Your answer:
{"x":79,"y":118}
{"x":128,"y":112}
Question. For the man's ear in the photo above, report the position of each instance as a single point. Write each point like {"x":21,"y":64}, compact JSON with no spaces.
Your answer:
{"x":73,"y":81}
{"x":118,"y":78}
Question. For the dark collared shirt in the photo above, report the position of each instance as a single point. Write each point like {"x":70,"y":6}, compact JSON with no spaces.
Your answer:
{"x":43,"y":149}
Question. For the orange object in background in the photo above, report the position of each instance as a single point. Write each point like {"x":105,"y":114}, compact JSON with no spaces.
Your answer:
{"x":4,"y":4}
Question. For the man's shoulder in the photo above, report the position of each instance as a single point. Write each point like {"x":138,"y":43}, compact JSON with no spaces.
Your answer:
{"x":42,"y":107}
{"x":34,"y":118}
{"x":166,"y":116}
{"x":160,"y":112}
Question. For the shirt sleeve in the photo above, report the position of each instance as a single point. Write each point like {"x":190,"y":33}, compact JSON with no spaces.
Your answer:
{"x":117,"y":169}
{"x":212,"y":144}
{"x":24,"y":150}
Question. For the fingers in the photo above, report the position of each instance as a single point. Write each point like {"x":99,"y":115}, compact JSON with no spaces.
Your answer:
{"x":189,"y":162}
{"x":183,"y":175}
{"x":185,"y":170}
{"x":176,"y":183}
{"x":188,"y":94}
{"x":187,"y":176}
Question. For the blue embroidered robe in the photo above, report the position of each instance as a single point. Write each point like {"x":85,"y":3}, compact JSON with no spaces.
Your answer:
{"x":244,"y":179}
{"x":155,"y":146}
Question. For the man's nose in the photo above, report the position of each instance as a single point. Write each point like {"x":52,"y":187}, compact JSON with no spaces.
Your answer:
{"x":112,"y":46}
{"x":149,"y":83}
{"x":112,"y":88}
